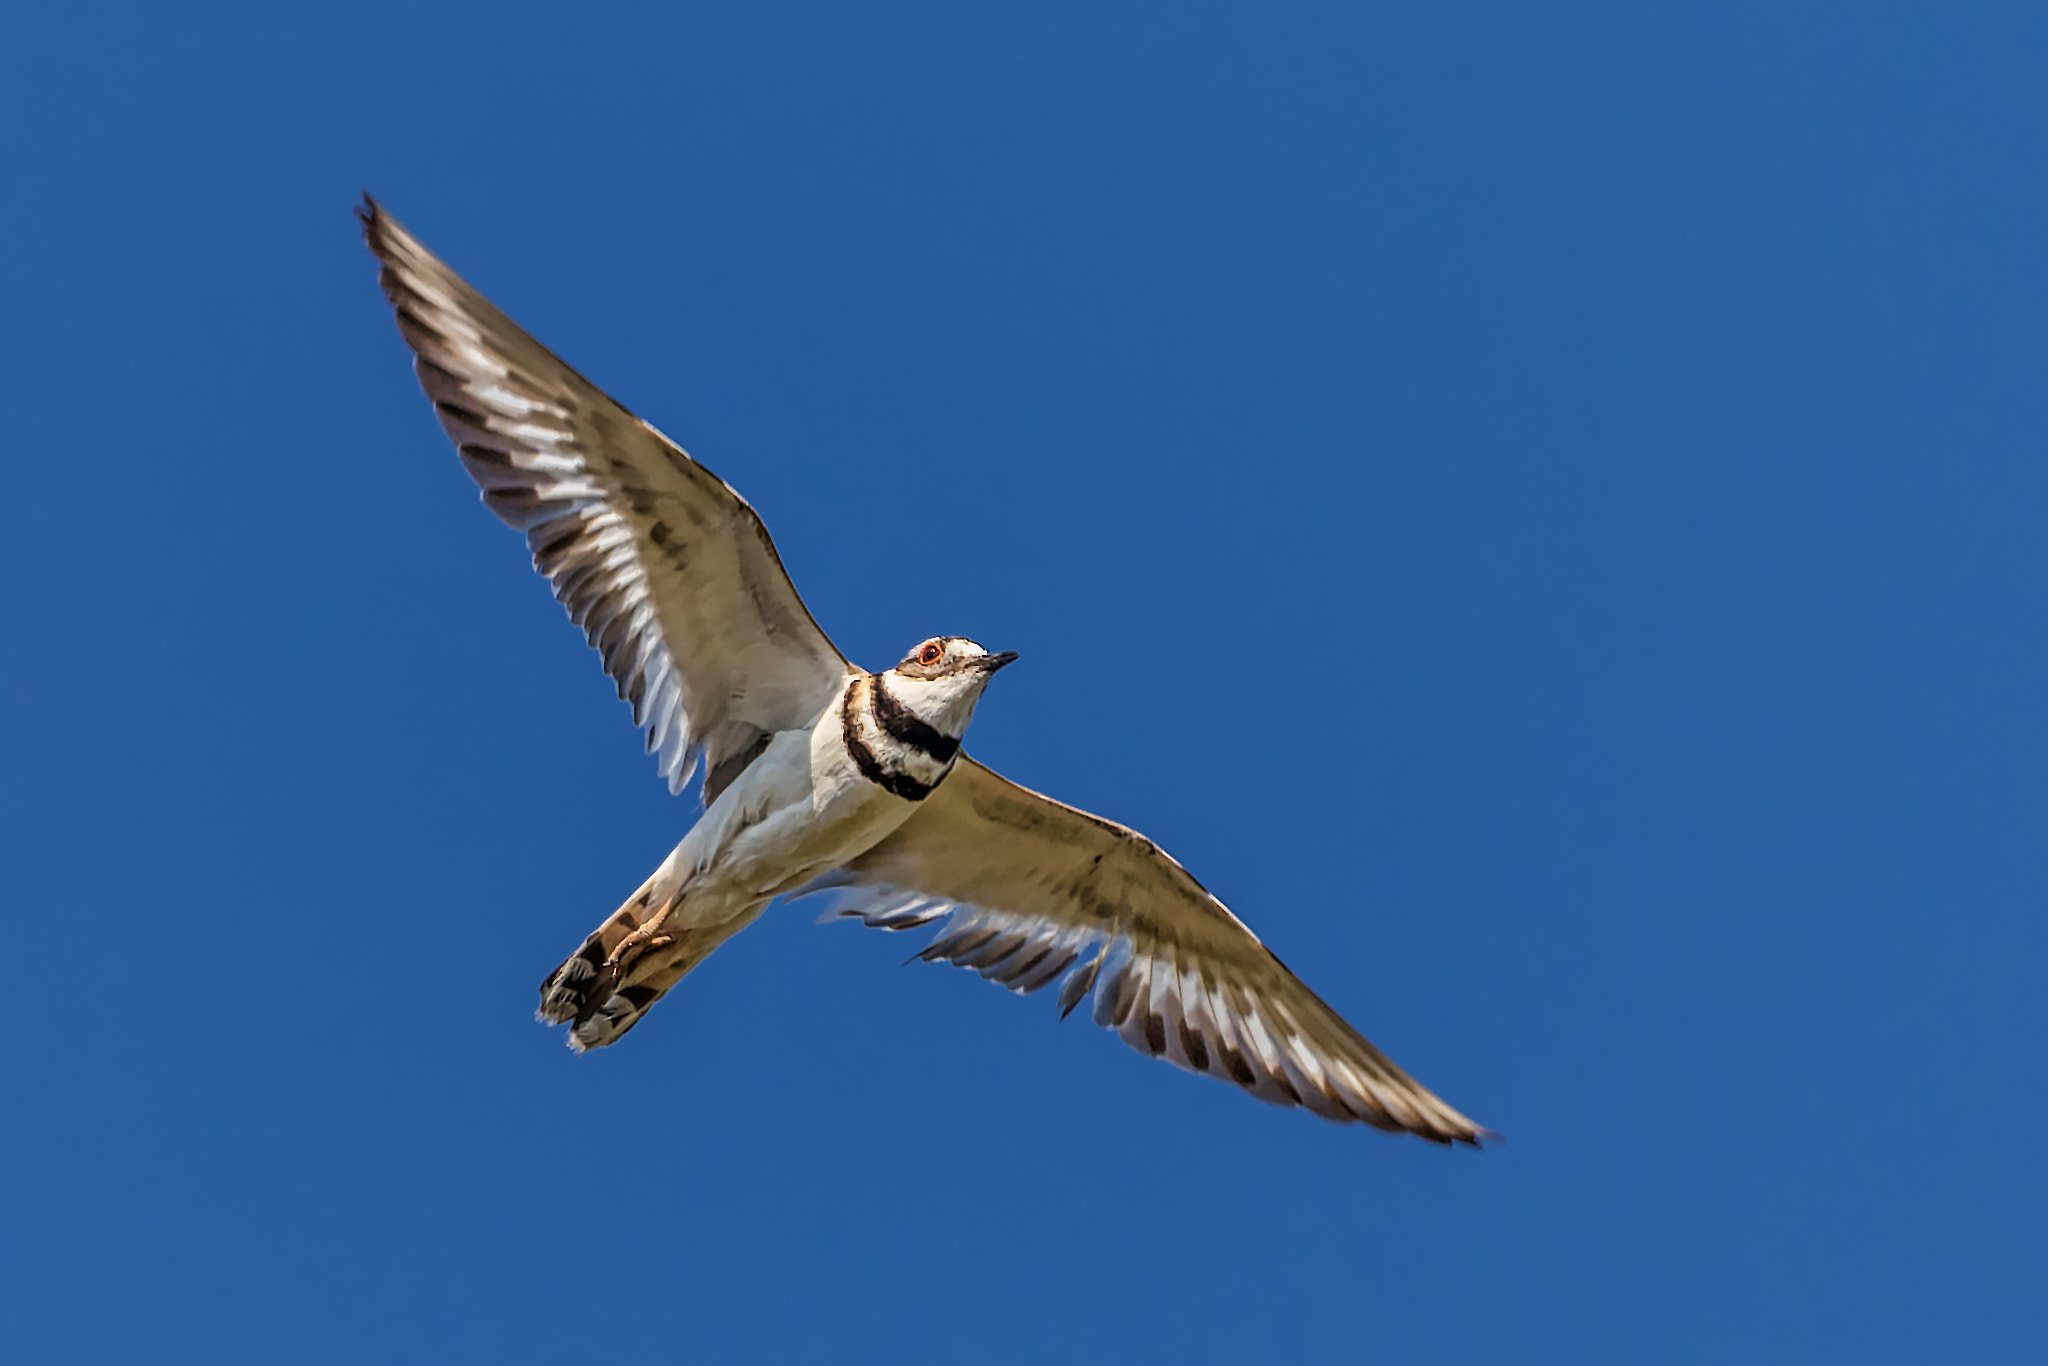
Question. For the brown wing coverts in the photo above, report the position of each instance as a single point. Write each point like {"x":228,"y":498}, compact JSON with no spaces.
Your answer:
{"x":669,"y":573}
{"x":1032,"y":890}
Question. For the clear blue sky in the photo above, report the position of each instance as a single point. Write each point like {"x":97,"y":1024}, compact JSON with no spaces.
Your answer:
{"x":1542,"y":513}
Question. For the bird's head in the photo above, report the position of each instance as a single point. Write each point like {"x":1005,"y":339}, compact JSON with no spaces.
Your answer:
{"x":940,"y":681}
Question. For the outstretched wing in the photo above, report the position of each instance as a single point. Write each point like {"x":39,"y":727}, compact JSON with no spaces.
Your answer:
{"x":669,"y":573}
{"x":1034,"y":889}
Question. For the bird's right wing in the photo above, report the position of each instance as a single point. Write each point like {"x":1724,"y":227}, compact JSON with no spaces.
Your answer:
{"x":669,"y":573}
{"x":1033,"y":887}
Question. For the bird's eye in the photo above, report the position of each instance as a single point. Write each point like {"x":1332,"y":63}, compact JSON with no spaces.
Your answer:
{"x":930,"y":653}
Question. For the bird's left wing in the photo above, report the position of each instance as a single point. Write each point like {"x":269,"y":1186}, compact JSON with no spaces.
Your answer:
{"x":667,"y":570}
{"x":1035,"y":890}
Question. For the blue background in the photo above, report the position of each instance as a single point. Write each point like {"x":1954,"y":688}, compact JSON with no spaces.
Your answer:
{"x":1541,"y":512}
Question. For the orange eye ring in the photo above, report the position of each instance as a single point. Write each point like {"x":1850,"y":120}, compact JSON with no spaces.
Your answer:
{"x":930,"y":653}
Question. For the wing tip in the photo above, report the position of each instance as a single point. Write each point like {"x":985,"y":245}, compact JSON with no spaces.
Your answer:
{"x":1464,"y":1133}
{"x":370,"y":216}
{"x":389,"y":242}
{"x":384,"y":235}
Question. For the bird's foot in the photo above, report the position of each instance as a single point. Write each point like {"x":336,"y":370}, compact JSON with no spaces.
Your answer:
{"x":641,"y":940}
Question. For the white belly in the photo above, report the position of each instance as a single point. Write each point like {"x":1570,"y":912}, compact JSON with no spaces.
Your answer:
{"x":802,"y":808}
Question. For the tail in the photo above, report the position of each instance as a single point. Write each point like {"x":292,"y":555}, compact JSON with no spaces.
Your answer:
{"x":601,"y":999}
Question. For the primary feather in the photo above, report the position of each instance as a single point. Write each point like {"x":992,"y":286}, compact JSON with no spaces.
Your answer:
{"x":669,"y":573}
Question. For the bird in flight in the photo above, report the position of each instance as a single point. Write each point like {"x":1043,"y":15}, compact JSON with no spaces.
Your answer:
{"x":820,"y":775}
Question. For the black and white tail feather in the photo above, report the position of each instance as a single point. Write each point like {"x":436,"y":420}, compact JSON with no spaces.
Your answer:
{"x":601,"y":995}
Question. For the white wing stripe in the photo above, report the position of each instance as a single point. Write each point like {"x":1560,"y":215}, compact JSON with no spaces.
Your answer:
{"x":666,"y":571}
{"x":1159,"y":998}
{"x":530,"y":481}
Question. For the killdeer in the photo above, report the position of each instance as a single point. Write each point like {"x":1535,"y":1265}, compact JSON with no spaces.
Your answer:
{"x":820,"y":776}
